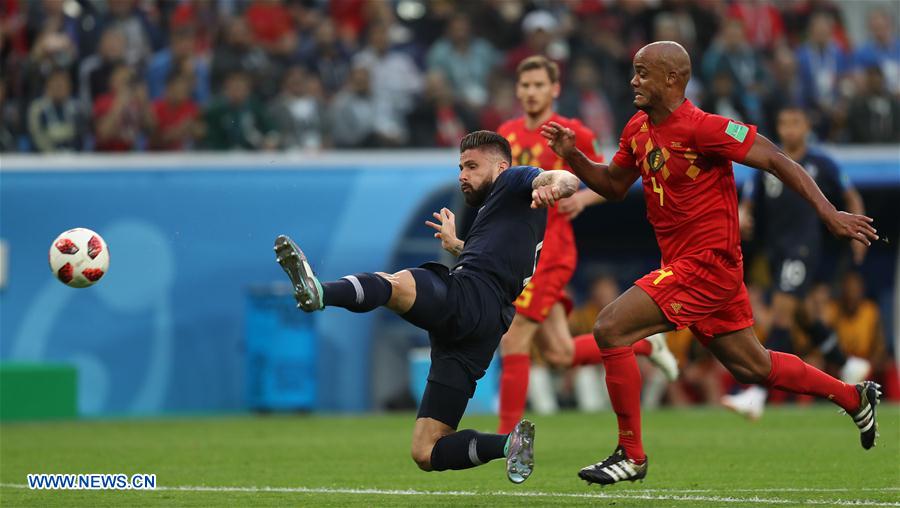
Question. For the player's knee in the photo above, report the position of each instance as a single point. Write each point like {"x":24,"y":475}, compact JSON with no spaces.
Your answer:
{"x":749,"y":374}
{"x":421,"y":455}
{"x":608,"y":333}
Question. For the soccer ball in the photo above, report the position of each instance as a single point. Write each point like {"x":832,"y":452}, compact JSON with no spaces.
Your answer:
{"x":79,"y":257}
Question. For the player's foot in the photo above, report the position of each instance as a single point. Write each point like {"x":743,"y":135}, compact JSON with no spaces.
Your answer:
{"x":307,"y":289}
{"x":855,"y":370}
{"x":749,"y":403}
{"x":616,"y":468}
{"x":662,"y":357}
{"x":520,"y":452}
{"x":864,"y":417}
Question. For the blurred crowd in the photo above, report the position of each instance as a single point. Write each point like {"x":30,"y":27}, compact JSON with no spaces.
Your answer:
{"x":134,"y":75}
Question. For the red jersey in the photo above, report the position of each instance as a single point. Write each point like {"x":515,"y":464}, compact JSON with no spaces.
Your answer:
{"x":169,"y":116}
{"x":529,"y":148}
{"x":685,"y":165}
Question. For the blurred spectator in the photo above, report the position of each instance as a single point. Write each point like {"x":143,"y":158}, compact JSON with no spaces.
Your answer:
{"x":176,"y":116}
{"x":539,"y":29}
{"x":272,"y":27}
{"x":785,"y":89}
{"x":9,"y":121}
{"x":502,"y":103}
{"x":51,"y":51}
{"x":236,"y":120}
{"x":356,"y":119}
{"x":798,"y":16}
{"x":465,"y":60}
{"x":603,"y":290}
{"x":763,"y":25}
{"x":498,"y":21}
{"x":722,"y":98}
{"x":46,"y":16}
{"x":95,"y":70}
{"x":395,"y":96}
{"x":585,"y":99}
{"x":237,"y":53}
{"x":874,"y":115}
{"x":179,"y":57}
{"x":822,"y":64}
{"x":882,"y":50}
{"x":731,"y":54}
{"x":199,"y":16}
{"x":439,"y":119}
{"x":142,"y":35}
{"x":325,"y":54}
{"x":55,"y":121}
{"x":857,"y":322}
{"x":123,"y":115}
{"x":299,"y":111}
{"x":432,"y":24}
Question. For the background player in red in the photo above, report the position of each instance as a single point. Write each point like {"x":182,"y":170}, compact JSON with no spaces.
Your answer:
{"x":542,"y":307}
{"x":683,"y":157}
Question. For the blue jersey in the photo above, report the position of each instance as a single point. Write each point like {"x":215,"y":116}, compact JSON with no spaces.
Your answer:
{"x":504,"y":242}
{"x":787,"y":219}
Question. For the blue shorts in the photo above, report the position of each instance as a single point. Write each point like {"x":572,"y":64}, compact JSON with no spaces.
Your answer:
{"x":465,"y":321}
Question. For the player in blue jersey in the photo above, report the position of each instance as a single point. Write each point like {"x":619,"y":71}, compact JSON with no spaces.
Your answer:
{"x":466,"y":309}
{"x":791,"y":235}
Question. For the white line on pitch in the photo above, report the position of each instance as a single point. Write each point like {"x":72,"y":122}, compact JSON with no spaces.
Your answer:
{"x":460,"y":493}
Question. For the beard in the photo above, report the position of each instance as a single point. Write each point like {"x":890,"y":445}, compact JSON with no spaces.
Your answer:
{"x":476,"y":197}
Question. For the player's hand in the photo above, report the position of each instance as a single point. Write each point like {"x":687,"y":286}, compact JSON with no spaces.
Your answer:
{"x":560,"y":139}
{"x":446,"y":229}
{"x":852,"y":227}
{"x":545,"y":196}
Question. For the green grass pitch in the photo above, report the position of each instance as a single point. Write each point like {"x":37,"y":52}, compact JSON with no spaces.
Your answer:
{"x":794,"y":456}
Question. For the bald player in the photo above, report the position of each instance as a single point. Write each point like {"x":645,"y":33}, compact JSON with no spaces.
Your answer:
{"x":683,"y":156}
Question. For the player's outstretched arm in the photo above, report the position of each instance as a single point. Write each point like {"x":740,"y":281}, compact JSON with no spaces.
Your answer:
{"x":446,"y":231}
{"x":766,"y":156}
{"x":609,"y":181}
{"x":551,"y":186}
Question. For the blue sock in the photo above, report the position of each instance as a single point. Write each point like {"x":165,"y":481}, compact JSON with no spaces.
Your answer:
{"x":362,"y":292}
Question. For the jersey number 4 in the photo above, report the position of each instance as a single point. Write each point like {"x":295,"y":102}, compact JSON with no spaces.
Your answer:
{"x":657,"y":189}
{"x":537,"y":256}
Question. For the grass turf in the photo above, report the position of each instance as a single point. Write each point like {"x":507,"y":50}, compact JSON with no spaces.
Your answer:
{"x":698,"y":457}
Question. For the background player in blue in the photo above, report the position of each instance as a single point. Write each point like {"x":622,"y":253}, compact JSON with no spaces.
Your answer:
{"x":466,"y":309}
{"x":792,"y":235}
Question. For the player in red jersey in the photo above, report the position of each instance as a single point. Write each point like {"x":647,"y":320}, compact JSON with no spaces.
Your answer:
{"x":683,"y":157}
{"x":542,"y":307}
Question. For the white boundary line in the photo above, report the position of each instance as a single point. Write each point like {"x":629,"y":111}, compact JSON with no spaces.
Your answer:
{"x":641,"y":495}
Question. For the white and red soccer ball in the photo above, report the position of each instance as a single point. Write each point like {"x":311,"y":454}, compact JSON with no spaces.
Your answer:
{"x":79,"y":257}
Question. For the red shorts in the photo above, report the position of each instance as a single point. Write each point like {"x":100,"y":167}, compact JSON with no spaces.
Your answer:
{"x":546,"y":287}
{"x":704,"y":292}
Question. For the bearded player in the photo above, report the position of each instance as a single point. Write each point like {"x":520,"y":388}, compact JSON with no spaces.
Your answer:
{"x":542,"y":307}
{"x":683,"y":156}
{"x":465,"y":310}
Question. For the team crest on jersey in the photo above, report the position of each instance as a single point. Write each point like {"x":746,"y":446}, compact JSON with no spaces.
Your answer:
{"x":655,"y":159}
{"x":676,"y":307}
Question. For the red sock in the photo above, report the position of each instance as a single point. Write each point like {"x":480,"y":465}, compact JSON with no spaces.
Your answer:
{"x":513,"y":390}
{"x":642,"y":347}
{"x":792,"y":374}
{"x":587,"y":352}
{"x":623,"y":381}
